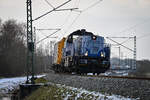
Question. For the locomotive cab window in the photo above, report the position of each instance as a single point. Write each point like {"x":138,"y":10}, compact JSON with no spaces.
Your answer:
{"x":70,"y":39}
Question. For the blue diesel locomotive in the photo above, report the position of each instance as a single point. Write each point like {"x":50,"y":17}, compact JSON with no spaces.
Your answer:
{"x":82,"y":52}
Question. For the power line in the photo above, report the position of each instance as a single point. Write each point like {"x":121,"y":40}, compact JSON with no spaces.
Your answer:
{"x":48,"y":29}
{"x":120,"y":44}
{"x":74,"y":21}
{"x":125,"y":41}
{"x":140,"y":37}
{"x":44,"y":34}
{"x":91,"y":6}
{"x":51,"y":10}
{"x":54,"y":9}
{"x":40,"y":30}
{"x":146,"y":35}
{"x":76,"y":3}
{"x":49,"y":4}
{"x":81,"y":11}
{"x":72,"y":9}
{"x":134,"y":26}
{"x":67,"y":18}
{"x":47,"y":36}
{"x":66,"y":9}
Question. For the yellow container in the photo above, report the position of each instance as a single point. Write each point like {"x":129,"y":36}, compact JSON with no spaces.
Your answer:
{"x":60,"y":48}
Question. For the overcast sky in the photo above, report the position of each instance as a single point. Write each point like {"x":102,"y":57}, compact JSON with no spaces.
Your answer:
{"x":107,"y":18}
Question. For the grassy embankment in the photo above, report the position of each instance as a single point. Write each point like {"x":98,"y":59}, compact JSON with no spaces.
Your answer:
{"x":62,"y":92}
{"x":59,"y":92}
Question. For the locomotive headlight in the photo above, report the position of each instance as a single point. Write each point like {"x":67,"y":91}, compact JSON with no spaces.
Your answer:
{"x":102,"y":54}
{"x":94,"y":37}
{"x":86,"y":53}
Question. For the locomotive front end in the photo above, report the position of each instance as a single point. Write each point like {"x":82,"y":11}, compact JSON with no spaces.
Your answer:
{"x":92,"y":54}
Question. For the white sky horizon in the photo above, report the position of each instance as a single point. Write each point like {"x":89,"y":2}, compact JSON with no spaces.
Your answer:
{"x":107,"y":18}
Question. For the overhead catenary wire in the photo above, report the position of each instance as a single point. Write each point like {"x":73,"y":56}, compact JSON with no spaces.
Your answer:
{"x":125,"y":41}
{"x":139,"y":37}
{"x":81,"y":11}
{"x":49,"y":4}
{"x":73,"y":21}
{"x":65,"y":21}
{"x":76,"y":4}
{"x":41,"y":30}
{"x":133,"y":26}
{"x":67,"y":18}
{"x":42,"y":33}
{"x":51,"y":10}
{"x":143,"y":36}
{"x":72,"y":9}
{"x":47,"y":36}
{"x":54,"y":9}
{"x":91,"y":6}
{"x":120,"y":44}
{"x":48,"y":29}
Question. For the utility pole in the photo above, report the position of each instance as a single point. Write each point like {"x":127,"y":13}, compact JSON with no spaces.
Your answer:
{"x":30,"y":43}
{"x":34,"y":47}
{"x":51,"y":51}
{"x":34,"y":40}
{"x":121,"y":59}
{"x":131,"y":62}
{"x":119,"y":56}
{"x":128,"y":62}
{"x":134,"y":54}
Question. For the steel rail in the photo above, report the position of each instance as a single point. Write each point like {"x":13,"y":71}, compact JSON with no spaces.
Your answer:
{"x":104,"y":76}
{"x":121,"y":77}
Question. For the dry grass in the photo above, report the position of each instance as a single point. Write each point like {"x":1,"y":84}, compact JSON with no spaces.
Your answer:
{"x":59,"y":92}
{"x":41,"y":80}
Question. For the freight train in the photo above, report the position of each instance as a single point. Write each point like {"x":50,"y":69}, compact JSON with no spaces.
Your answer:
{"x":81,"y":52}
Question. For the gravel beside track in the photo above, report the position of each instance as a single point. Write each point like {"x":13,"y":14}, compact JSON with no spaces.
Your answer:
{"x":125,"y":87}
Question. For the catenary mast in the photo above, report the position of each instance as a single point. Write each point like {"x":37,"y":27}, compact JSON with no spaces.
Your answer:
{"x":30,"y":43}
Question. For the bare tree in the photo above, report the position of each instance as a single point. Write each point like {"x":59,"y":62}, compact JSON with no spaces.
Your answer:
{"x":13,"y":50}
{"x":12,"y":58}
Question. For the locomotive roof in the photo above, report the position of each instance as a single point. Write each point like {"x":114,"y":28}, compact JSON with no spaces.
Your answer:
{"x":81,"y":32}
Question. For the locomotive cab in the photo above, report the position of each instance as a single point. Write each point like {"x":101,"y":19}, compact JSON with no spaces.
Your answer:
{"x":86,"y":53}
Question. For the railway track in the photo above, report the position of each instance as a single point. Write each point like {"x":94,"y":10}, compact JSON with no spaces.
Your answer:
{"x":128,"y":86}
{"x":111,"y":76}
{"x":121,"y":77}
